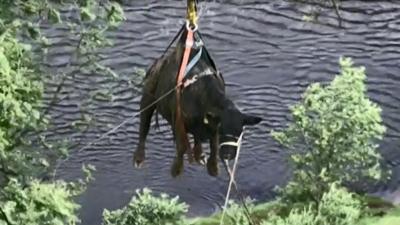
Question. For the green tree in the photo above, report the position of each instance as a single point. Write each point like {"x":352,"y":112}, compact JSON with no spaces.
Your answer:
{"x":24,"y":151}
{"x":20,"y":94}
{"x":22,"y":73}
{"x":333,"y":135}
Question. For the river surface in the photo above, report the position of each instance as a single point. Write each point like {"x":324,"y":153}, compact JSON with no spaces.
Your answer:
{"x":268,"y":56}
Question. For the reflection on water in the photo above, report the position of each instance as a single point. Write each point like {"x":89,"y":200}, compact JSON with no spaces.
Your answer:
{"x":268,"y":56}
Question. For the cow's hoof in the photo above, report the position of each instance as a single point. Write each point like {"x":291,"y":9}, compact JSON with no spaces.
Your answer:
{"x":138,"y":159}
{"x":138,"y":165}
{"x":177,"y":168}
{"x":212,"y":168}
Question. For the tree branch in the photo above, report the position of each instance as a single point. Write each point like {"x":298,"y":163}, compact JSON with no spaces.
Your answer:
{"x":336,"y":6}
{"x":64,"y":77}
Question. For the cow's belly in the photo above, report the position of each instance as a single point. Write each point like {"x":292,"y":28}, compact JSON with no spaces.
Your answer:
{"x":200,"y":130}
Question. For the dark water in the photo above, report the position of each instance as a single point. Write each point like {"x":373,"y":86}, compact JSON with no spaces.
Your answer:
{"x":268,"y":56}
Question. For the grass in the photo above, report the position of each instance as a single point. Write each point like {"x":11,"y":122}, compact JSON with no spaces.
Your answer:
{"x":259,"y":213}
{"x":392,"y":217}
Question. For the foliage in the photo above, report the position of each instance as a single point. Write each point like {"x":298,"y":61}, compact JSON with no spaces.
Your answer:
{"x":20,"y":93}
{"x":391,"y":218}
{"x":296,"y":217}
{"x":22,"y":72}
{"x":276,"y":212}
{"x":337,"y":207}
{"x":235,"y":214}
{"x":332,"y":137}
{"x":38,"y":203}
{"x":145,"y":209}
{"x":24,"y":150}
{"x":313,"y":15}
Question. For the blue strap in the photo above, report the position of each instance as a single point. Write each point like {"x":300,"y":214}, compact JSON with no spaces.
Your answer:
{"x":193,"y":62}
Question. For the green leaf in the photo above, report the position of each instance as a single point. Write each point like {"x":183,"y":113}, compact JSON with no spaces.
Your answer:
{"x":33,"y":32}
{"x":87,"y":15}
{"x":36,"y":114}
{"x":115,"y":14}
{"x":54,"y":16}
{"x":4,"y":65}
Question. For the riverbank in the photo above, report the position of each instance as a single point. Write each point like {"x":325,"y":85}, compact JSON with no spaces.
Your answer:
{"x":378,"y":212}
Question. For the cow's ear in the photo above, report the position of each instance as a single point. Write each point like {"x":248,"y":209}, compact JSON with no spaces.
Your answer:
{"x":250,"y":120}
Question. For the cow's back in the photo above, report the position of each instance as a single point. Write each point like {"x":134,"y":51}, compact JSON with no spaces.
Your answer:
{"x":160,"y":79}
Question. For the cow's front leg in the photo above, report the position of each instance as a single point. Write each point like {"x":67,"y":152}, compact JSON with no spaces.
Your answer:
{"x":212,"y":162}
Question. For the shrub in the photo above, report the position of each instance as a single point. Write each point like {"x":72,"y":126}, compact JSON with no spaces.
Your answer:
{"x":296,"y":217}
{"x":332,"y":136}
{"x":235,"y":214}
{"x":337,"y":207}
{"x":145,"y":209}
{"x":20,"y":94}
{"x":38,"y":203}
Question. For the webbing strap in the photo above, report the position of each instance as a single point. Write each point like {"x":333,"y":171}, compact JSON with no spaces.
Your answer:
{"x":188,"y":48}
{"x":193,"y":62}
{"x":179,"y":124}
{"x":229,"y":143}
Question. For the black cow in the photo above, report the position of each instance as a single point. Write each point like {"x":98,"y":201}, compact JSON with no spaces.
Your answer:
{"x":207,"y":113}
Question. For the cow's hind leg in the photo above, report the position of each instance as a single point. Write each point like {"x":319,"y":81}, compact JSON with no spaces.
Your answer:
{"x":145,"y":120}
{"x":212,"y":162}
{"x":182,"y":145}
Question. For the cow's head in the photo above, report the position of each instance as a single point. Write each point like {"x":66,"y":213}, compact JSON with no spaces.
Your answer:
{"x":232,"y":123}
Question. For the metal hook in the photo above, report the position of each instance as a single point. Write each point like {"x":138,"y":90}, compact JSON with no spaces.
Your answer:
{"x":191,"y":27}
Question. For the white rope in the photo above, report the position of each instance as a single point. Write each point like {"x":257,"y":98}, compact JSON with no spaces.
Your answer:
{"x":231,"y":176}
{"x":114,"y":129}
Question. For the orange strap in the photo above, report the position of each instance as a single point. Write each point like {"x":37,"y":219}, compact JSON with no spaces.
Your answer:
{"x":186,"y":55}
{"x":179,"y":124}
